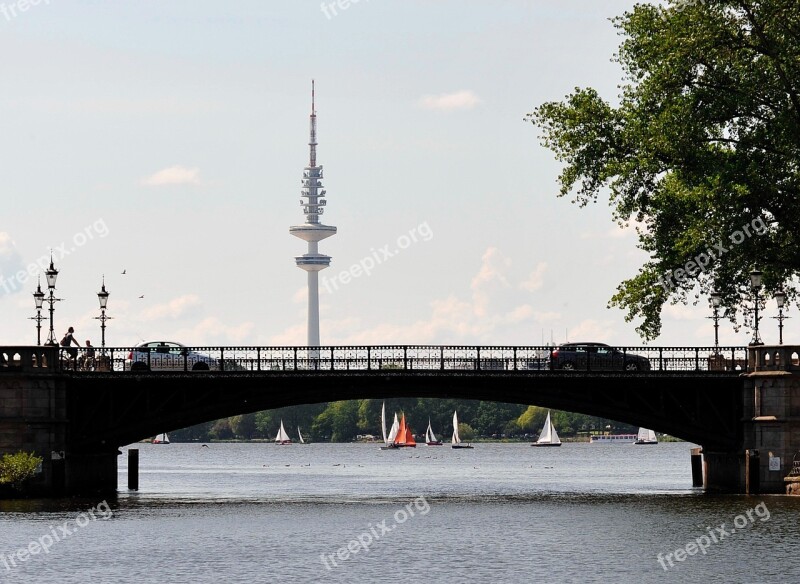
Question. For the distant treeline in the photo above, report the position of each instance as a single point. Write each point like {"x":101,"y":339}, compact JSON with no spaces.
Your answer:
{"x":343,"y":421}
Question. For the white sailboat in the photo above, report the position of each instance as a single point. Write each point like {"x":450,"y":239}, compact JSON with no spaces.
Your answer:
{"x":646,"y":436}
{"x":388,"y":441}
{"x":430,"y":437}
{"x":161,"y":439}
{"x":549,"y":436}
{"x":300,"y":435}
{"x":455,"y":441}
{"x":282,"y":438}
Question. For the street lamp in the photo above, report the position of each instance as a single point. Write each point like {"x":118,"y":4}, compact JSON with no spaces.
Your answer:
{"x":716,"y":300}
{"x":102,"y":296}
{"x":755,"y":286}
{"x":51,"y":274}
{"x":780,"y":298}
{"x":38,"y":297}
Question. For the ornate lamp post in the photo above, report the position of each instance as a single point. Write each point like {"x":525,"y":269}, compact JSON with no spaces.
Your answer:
{"x":755,"y":286}
{"x":51,"y":274}
{"x":780,"y":298}
{"x":102,"y":296}
{"x":716,"y":300}
{"x":38,"y":297}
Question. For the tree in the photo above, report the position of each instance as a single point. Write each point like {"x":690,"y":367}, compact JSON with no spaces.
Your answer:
{"x":17,"y":469}
{"x":701,"y":151}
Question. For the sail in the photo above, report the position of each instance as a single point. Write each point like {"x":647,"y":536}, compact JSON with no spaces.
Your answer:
{"x":161,"y":439}
{"x":549,"y":434}
{"x":383,"y":423}
{"x":429,"y":435}
{"x":455,"y":439}
{"x":394,"y":430}
{"x":402,"y":432}
{"x":408,"y":436}
{"x":300,"y":434}
{"x":282,"y":435}
{"x":646,"y":436}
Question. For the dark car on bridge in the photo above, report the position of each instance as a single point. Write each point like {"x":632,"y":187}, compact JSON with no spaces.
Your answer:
{"x":595,"y":357}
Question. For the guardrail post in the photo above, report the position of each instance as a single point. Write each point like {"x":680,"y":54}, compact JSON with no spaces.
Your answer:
{"x":295,"y":358}
{"x":697,"y":358}
{"x":478,"y":360}
{"x":405,"y":358}
{"x":332,"y":367}
{"x":369,"y":358}
{"x":441,"y":357}
{"x":222,"y":358}
{"x":660,"y":359}
{"x":515,"y":358}
{"x":258,"y":359}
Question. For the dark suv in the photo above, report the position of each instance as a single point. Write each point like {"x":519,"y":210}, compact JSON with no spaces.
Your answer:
{"x":595,"y":357}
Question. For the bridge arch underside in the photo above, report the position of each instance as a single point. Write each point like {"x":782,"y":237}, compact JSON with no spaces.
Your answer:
{"x":106,"y":412}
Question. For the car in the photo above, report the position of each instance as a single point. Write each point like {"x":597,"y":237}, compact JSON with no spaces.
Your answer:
{"x":167,"y":356}
{"x":595,"y":357}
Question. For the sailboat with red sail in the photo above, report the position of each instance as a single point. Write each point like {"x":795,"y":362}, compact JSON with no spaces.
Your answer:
{"x":405,"y":437}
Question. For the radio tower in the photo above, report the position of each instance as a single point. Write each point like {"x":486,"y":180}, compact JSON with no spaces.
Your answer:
{"x":312,"y":231}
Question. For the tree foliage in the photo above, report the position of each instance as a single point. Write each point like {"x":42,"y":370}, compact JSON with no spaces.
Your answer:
{"x":17,"y":469}
{"x":704,"y":141}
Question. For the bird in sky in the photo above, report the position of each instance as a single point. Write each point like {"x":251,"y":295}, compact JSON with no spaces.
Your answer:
{"x":124,"y":272}
{"x":142,"y":296}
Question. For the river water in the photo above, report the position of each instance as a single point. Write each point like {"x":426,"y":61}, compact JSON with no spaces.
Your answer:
{"x":352,"y":513}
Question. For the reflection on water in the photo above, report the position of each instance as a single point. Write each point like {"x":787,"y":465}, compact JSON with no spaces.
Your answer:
{"x":510,"y":513}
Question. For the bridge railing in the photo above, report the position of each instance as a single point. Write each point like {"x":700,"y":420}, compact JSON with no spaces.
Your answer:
{"x":564,"y":359}
{"x":775,"y":357}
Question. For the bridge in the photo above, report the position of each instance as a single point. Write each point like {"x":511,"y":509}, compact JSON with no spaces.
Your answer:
{"x":76,"y":410}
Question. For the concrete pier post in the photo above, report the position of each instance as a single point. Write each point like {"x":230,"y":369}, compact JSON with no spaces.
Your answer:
{"x":697,"y":467}
{"x":133,"y":469}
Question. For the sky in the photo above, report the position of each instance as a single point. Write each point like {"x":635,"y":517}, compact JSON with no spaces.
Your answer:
{"x":160,"y":146}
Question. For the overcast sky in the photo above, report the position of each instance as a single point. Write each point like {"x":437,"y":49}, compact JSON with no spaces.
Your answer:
{"x":168,"y":139}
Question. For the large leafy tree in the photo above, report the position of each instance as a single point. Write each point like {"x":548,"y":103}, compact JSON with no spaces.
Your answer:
{"x":701,"y":149}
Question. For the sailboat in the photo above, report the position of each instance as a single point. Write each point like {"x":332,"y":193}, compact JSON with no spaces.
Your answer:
{"x":646,"y":436}
{"x":282,"y":438}
{"x":161,"y":439}
{"x":300,"y":434}
{"x":388,"y":441}
{"x":430,"y":437}
{"x":405,"y":437}
{"x":455,"y":442}
{"x":549,"y":436}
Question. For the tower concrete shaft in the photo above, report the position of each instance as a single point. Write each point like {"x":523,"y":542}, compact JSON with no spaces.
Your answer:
{"x":312,"y":231}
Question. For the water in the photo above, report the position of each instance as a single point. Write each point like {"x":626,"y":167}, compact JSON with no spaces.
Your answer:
{"x":498,"y":513}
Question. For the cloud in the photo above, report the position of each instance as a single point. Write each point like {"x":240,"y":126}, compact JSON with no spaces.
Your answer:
{"x":535,"y":279}
{"x":460,"y":100}
{"x":11,"y":264}
{"x":213,"y":330}
{"x":174,"y":175}
{"x":592,"y":330}
{"x":491,"y":276}
{"x":186,"y":305}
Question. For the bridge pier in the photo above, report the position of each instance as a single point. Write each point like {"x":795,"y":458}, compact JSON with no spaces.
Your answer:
{"x":771,"y":421}
{"x":33,"y":413}
{"x":770,"y":427}
{"x":34,"y":416}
